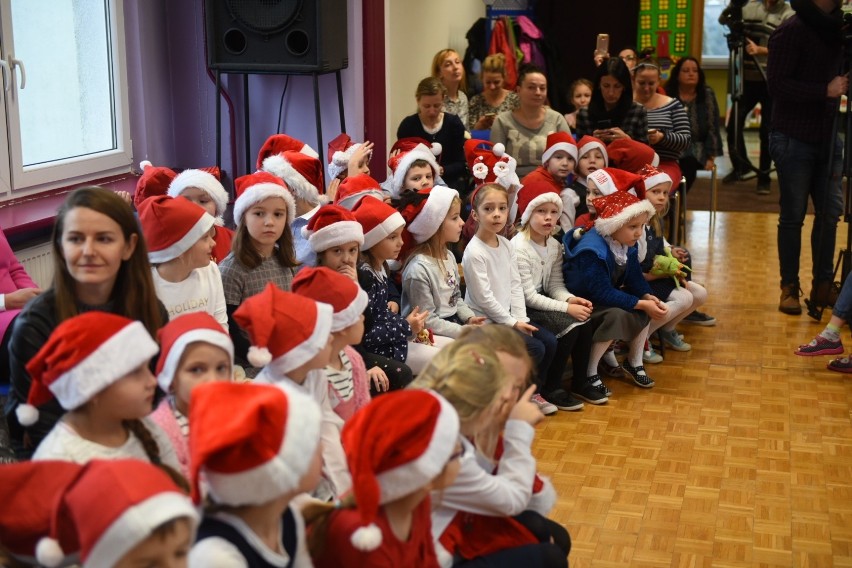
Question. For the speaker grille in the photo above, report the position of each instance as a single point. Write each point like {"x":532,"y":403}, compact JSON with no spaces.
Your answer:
{"x":264,"y":16}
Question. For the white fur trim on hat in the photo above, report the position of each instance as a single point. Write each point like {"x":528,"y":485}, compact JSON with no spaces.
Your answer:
{"x":204,"y":181}
{"x":301,"y":354}
{"x":419,"y":152}
{"x":201,"y":228}
{"x":657,"y":179}
{"x":609,"y":225}
{"x":340,"y":161}
{"x":584,"y":149}
{"x":282,"y":473}
{"x":219,"y":339}
{"x":549,"y":197}
{"x":434,"y":211}
{"x":570,"y":149}
{"x":351,"y":313}
{"x":336,"y":234}
{"x":382,"y":230}
{"x":136,"y":523}
{"x":279,"y":166}
{"x":407,"y":478}
{"x":257,"y":193}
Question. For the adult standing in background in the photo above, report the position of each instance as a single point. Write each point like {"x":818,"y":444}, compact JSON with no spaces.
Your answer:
{"x":805,"y":81}
{"x":447,"y":67}
{"x":524,"y":131}
{"x":494,"y":99}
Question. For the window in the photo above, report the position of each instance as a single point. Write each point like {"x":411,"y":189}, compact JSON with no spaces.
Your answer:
{"x":64,"y":97}
{"x":714,"y":52}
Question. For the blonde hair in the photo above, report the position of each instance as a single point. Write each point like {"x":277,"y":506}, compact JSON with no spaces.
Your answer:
{"x":501,"y":338}
{"x":480,"y":193}
{"x":433,"y":246}
{"x":438,"y":62}
{"x":430,"y":86}
{"x":495,"y":63}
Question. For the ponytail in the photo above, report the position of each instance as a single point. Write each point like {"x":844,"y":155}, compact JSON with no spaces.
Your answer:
{"x":152,"y":450}
{"x":317,"y":516}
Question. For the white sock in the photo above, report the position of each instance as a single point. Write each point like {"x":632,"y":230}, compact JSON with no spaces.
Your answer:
{"x":634,"y":356}
{"x":598,"y":350}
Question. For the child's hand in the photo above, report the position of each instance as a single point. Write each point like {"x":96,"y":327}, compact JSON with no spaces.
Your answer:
{"x":526,"y":410}
{"x":351,"y":272}
{"x":379,"y":378}
{"x":394,"y":307}
{"x":417,"y":320}
{"x":524,"y":327}
{"x":125,"y":196}
{"x":331,"y":191}
{"x":476,"y":320}
{"x":360,"y":158}
{"x":680,"y":253}
{"x":580,"y":310}
{"x":652,"y":306}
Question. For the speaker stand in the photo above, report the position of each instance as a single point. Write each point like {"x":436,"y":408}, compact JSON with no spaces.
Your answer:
{"x":246,"y":122}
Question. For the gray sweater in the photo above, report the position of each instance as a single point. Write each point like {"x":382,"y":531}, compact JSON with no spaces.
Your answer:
{"x":425,"y":285}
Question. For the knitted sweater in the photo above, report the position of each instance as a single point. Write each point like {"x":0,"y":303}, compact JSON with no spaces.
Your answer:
{"x":164,"y":417}
{"x":424,"y":285}
{"x":542,"y":280}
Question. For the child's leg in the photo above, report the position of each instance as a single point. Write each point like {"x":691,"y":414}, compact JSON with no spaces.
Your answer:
{"x":597,"y":351}
{"x":565,"y":345}
{"x":678,"y":304}
{"x":698,"y":296}
{"x":634,"y":358}
{"x":545,"y":530}
{"x":547,"y":341}
{"x":399,"y":374}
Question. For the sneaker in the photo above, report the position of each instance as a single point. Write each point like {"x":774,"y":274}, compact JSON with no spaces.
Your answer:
{"x":840,"y":365}
{"x":820,"y":346}
{"x":651,"y":356}
{"x":546,"y":408}
{"x":563,"y":400}
{"x":700,"y":318}
{"x":639,"y":376}
{"x":674,"y":340}
{"x":789,"y":303}
{"x":588,"y":391}
{"x":763,"y":185}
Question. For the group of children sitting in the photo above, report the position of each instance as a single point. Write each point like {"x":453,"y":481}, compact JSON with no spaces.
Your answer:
{"x":283,"y":332}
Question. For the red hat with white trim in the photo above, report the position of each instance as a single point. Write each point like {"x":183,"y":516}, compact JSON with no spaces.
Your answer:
{"x":587,"y":143}
{"x":172,"y":226}
{"x":535,"y":194}
{"x":180,"y":333}
{"x":252,"y":443}
{"x":653,"y":177}
{"x":340,"y":151}
{"x":84,"y":355}
{"x":302,"y":174}
{"x":286,"y":330}
{"x":332,"y":226}
{"x":424,"y":217}
{"x":328,"y":286}
{"x":615,"y":210}
{"x":410,"y":150}
{"x":278,"y":143}
{"x":631,"y":155}
{"x":612,"y":180}
{"x":378,"y":219}
{"x":206,"y":182}
{"x":391,"y":462}
{"x":557,"y":141}
{"x":489,"y":163}
{"x":353,"y":189}
{"x":254,"y":188}
{"x":154,"y":181}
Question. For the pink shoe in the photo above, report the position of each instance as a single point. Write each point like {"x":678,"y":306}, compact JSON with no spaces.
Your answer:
{"x":820,"y":346}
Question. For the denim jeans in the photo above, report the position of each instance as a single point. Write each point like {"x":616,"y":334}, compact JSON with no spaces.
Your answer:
{"x":843,"y":305}
{"x":802,"y":173}
{"x":541,"y":346}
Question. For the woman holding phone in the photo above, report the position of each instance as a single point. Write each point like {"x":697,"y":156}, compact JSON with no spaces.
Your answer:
{"x":612,"y":112}
{"x":494,"y":99}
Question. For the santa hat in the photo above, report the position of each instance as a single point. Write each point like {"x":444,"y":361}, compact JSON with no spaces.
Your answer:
{"x":254,"y":188}
{"x":286,"y":330}
{"x":424,"y":217}
{"x":155,"y":180}
{"x":328,"y":286}
{"x":489,"y":163}
{"x":410,"y":150}
{"x":106,"y":509}
{"x":390,"y":462}
{"x":352,"y":189}
{"x":378,"y":220}
{"x":332,"y":226}
{"x":206,"y":182}
{"x":302,"y":174}
{"x":557,"y":141}
{"x":180,"y":333}
{"x":612,"y":180}
{"x":340,"y":151}
{"x":84,"y":355}
{"x":278,"y":143}
{"x":535,"y":194}
{"x":653,"y":177}
{"x":630,"y":155}
{"x":615,"y":210}
{"x":587,"y":143}
{"x":172,"y":226}
{"x":252,"y":443}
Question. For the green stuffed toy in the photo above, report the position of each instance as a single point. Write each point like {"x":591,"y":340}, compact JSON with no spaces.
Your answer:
{"x":668,"y":265}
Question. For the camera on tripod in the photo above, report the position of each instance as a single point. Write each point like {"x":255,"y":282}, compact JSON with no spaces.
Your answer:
{"x":732,"y":16}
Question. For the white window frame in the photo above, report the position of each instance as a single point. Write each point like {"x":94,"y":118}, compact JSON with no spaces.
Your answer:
{"x":18,"y":181}
{"x":712,"y":61}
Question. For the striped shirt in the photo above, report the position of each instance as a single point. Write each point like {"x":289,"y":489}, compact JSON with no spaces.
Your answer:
{"x":341,"y":379}
{"x":672,"y":121}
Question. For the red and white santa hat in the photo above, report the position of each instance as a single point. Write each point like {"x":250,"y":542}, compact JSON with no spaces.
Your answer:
{"x":154,"y":180}
{"x":301,"y":173}
{"x":254,"y":188}
{"x":340,"y":151}
{"x":533,"y":195}
{"x":278,"y":143}
{"x":489,"y":163}
{"x":206,"y":182}
{"x":378,"y":220}
{"x":410,"y":150}
{"x":332,"y":226}
{"x":631,"y":155}
{"x":252,"y":443}
{"x":286,"y":330}
{"x":172,"y":226}
{"x":84,"y":355}
{"x":389,"y":463}
{"x":328,"y":286}
{"x":106,"y":509}
{"x":424,"y":216}
{"x":612,"y":180}
{"x":180,"y":333}
{"x":352,"y":189}
{"x":587,"y":143}
{"x":616,"y":209}
{"x":653,"y":177}
{"x":557,"y":141}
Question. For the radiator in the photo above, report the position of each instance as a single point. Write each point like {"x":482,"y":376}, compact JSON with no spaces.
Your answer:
{"x":38,"y":261}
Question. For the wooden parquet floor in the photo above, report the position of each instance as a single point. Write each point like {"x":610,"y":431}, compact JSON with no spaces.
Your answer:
{"x":742,"y":453}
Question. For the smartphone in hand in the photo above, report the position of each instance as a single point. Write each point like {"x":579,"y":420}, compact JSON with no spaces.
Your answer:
{"x":602,"y":46}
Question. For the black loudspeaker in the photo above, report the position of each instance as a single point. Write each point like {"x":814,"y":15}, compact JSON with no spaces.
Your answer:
{"x":276,"y":36}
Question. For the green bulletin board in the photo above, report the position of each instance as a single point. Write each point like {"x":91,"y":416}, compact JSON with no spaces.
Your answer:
{"x":665,"y":25}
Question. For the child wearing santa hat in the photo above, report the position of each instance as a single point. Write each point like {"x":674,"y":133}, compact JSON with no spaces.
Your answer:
{"x":413,"y":167}
{"x":253,"y":448}
{"x":430,"y":277}
{"x":96,"y":366}
{"x":180,"y":240}
{"x":263,"y":248}
{"x":386,"y":522}
{"x":155,"y":180}
{"x":347,"y":158}
{"x":602,"y":182}
{"x":557,"y":165}
{"x":602,"y":264}
{"x":204,"y":189}
{"x":354,"y":188}
{"x":591,"y":156}
{"x":104,"y":513}
{"x":193,"y":350}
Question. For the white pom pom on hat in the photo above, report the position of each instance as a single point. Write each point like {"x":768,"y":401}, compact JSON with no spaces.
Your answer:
{"x":27,"y":414}
{"x":367,"y":538}
{"x":49,"y":553}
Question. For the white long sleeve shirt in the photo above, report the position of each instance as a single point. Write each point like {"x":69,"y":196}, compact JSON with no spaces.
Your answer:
{"x":493,"y":283}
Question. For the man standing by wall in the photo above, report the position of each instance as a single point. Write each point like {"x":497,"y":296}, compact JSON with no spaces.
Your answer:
{"x":805,"y":81}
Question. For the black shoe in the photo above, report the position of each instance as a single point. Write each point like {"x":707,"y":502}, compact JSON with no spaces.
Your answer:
{"x":562,"y":400}
{"x":763,"y":186}
{"x":639,"y":376}
{"x":700,"y":318}
{"x":588,"y":391}
{"x":734,"y":177}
